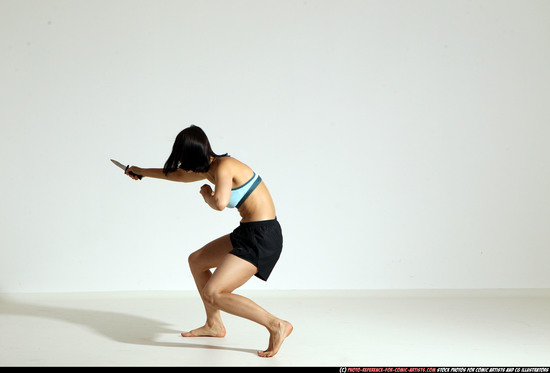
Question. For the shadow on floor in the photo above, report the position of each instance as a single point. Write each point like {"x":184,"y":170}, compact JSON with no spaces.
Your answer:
{"x":120,"y":327}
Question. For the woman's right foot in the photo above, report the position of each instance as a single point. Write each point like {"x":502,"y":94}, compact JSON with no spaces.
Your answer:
{"x":206,"y":331}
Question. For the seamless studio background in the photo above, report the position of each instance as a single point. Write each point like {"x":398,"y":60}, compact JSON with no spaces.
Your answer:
{"x":405,"y":143}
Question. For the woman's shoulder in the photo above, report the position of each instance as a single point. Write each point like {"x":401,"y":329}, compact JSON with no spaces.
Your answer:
{"x":232,"y":166}
{"x":230,"y":162}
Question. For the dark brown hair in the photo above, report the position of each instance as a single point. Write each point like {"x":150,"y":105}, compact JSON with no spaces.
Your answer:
{"x":191,"y":152}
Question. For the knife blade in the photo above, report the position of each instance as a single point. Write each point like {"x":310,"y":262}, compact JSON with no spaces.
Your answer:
{"x":123,"y":167}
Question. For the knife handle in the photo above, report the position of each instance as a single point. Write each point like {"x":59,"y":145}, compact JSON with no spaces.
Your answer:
{"x":132,"y":173}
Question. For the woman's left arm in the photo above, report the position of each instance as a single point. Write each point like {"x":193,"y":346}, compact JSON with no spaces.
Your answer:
{"x":219,"y":198}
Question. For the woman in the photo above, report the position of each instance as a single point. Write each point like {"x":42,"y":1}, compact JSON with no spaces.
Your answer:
{"x":253,"y":248}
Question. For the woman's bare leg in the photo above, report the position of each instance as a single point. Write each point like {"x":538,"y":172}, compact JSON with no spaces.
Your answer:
{"x":200,"y":262}
{"x":232,"y":273}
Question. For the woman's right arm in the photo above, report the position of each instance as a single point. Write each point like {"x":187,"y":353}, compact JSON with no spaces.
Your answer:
{"x":158,"y":173}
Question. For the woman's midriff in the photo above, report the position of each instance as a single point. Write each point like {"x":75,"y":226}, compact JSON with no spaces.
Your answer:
{"x":258,"y":206}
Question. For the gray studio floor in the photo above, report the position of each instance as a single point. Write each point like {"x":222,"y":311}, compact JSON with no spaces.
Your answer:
{"x":331,"y":328}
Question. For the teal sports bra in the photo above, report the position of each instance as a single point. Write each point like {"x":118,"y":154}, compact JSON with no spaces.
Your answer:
{"x":240,"y":194}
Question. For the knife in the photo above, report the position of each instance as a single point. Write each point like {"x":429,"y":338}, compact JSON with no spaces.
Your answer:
{"x":120,"y":165}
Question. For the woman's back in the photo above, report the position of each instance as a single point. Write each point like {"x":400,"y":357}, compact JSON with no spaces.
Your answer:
{"x":259,"y":204}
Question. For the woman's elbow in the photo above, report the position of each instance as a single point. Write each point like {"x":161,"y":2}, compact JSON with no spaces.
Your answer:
{"x":220,"y":204}
{"x":220,"y":199}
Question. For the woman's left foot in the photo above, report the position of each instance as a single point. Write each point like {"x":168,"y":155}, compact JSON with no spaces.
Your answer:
{"x":277,"y":335}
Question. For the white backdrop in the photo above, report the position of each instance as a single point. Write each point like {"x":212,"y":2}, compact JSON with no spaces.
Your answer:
{"x":405,"y":143}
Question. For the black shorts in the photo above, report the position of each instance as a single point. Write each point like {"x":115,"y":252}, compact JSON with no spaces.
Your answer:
{"x":260,"y":243}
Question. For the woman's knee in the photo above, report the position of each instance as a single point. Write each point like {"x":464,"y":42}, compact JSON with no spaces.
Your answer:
{"x":194,"y":260}
{"x":210,"y":295}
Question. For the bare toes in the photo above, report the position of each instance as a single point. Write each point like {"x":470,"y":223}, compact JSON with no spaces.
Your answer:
{"x":266,"y":353}
{"x":205,"y":332}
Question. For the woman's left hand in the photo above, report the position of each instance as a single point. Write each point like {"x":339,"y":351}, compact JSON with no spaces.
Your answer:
{"x":206,"y":191}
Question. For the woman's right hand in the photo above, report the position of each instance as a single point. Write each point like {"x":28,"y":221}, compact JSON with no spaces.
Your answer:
{"x":136,"y":172}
